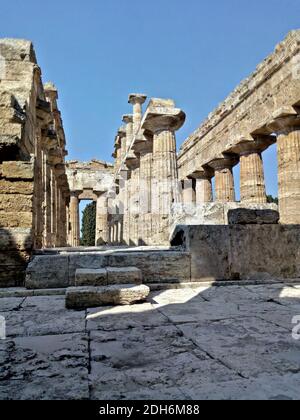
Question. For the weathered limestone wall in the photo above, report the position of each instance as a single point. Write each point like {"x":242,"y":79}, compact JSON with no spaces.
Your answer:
{"x":264,"y":109}
{"x":33,"y":186}
{"x":241,"y":252}
{"x":89,"y":181}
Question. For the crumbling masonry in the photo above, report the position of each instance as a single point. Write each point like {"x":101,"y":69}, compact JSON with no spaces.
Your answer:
{"x":151,"y":195}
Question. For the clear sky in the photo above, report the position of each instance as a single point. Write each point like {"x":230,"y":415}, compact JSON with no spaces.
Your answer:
{"x":99,"y":51}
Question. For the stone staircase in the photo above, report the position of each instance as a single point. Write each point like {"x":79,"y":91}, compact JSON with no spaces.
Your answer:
{"x":64,"y":268}
{"x":106,"y":286}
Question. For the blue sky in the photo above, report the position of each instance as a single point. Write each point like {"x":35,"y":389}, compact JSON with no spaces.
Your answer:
{"x":98,"y":51}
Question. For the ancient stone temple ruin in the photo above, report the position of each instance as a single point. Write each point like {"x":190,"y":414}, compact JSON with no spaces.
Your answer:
{"x":172,"y":215}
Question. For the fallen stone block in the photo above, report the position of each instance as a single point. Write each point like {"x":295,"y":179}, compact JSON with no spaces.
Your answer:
{"x":253,"y":217}
{"x":93,"y":297}
{"x":124,"y":275}
{"x":90,"y":277}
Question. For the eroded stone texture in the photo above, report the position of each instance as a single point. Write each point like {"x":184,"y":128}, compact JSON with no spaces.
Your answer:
{"x":90,"y":297}
{"x":34,"y":189}
{"x":235,"y":252}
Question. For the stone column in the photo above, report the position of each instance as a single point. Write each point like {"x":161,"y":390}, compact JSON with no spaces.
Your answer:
{"x":224,"y":181}
{"x":128,"y":120}
{"x":74,"y":220}
{"x":133,"y":164}
{"x":204,"y":192}
{"x":102,"y":228}
{"x":162,"y":119}
{"x":288,"y":149}
{"x":53,"y":207}
{"x":252,"y":179}
{"x":135,"y":206}
{"x":137,"y":101}
{"x":143,"y":147}
{"x":188,"y":192}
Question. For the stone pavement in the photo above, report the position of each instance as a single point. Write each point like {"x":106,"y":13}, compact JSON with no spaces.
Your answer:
{"x":195,"y":343}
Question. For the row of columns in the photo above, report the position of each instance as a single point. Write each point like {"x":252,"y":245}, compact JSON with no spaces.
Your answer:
{"x":286,"y":132}
{"x":148,"y":172}
{"x":51,"y":191}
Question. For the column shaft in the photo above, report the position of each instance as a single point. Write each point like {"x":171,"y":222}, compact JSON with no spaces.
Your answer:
{"x":224,"y":186}
{"x":252,"y":182}
{"x":145,"y":220}
{"x":74,"y":221}
{"x":289,"y":176}
{"x":165,"y":182}
{"x":204,"y":193}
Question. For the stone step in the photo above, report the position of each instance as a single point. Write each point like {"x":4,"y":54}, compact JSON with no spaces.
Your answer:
{"x":89,"y":277}
{"x":157,"y":266}
{"x":92,"y":297}
{"x":108,"y":276}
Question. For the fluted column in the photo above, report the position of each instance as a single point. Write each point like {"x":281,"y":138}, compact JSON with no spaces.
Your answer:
{"x":74,"y":221}
{"x":143,"y":148}
{"x":252,"y":185}
{"x":162,"y":119}
{"x":135,"y":206}
{"x":288,"y":144}
{"x":128,"y":120}
{"x":137,"y":101}
{"x":204,"y":192}
{"x":252,"y":179}
{"x":188,"y":192}
{"x":127,"y":215}
{"x":224,"y":180}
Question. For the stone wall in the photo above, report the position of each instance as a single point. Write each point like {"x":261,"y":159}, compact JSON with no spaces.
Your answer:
{"x":34,"y":191}
{"x":241,"y":252}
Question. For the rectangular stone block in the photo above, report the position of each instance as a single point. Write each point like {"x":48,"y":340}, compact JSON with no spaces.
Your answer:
{"x":17,"y":170}
{"x":253,"y":217}
{"x":16,"y":187}
{"x":12,"y":276}
{"x":265,"y":251}
{"x":48,"y":272}
{"x":16,"y":203}
{"x":89,"y":277}
{"x":157,"y":266}
{"x":16,"y":238}
{"x":93,"y":297}
{"x":124,"y":275}
{"x":87,"y":261}
{"x":16,"y":220}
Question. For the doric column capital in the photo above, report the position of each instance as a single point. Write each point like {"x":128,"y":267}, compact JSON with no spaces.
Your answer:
{"x":285,"y":120}
{"x":223,"y":163}
{"x":206,"y":173}
{"x":127,"y":118}
{"x":122,"y":132}
{"x":137,"y":98}
{"x":161,"y":115}
{"x":247,"y":146}
{"x":132,"y":161}
{"x":142,"y":145}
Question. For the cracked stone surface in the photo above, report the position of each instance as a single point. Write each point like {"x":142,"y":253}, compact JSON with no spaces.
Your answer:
{"x":195,"y":343}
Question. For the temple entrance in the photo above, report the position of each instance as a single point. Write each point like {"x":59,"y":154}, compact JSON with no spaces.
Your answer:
{"x":87,"y":210}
